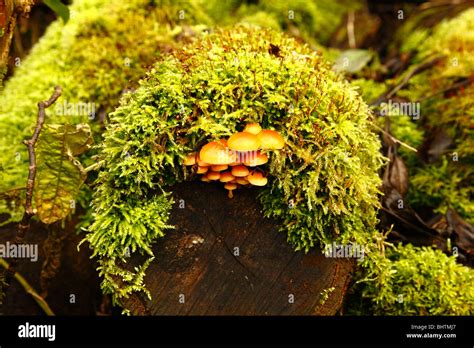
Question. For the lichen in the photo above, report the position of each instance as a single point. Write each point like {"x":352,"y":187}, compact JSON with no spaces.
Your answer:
{"x":323,"y":185}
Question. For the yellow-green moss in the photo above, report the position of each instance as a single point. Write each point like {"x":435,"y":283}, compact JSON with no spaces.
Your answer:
{"x":103,"y":50}
{"x":312,"y":20}
{"x":323,"y":185}
{"x":439,"y":184}
{"x":408,"y":280}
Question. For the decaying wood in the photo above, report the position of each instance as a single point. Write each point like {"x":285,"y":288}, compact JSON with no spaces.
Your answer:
{"x":224,"y":258}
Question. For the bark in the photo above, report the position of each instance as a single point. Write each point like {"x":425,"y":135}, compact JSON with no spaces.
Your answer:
{"x":264,"y":276}
{"x":9,"y":12}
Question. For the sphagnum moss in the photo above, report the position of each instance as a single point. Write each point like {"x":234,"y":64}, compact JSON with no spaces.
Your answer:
{"x":323,"y":185}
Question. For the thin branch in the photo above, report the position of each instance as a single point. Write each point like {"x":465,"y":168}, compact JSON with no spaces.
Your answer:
{"x":24,"y":225}
{"x":392,"y":138}
{"x":454,"y":87}
{"x":29,"y":289}
{"x":350,"y":29}
{"x":414,"y":71}
{"x":94,"y":166}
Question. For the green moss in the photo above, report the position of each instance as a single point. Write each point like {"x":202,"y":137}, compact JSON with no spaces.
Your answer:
{"x":446,"y":108}
{"x":323,"y":186}
{"x":104,"y":49}
{"x":368,"y":89}
{"x":443,"y":186}
{"x":313,"y":21}
{"x":415,"y":281}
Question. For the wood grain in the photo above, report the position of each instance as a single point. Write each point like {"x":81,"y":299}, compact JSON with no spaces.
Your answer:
{"x":197,"y":260}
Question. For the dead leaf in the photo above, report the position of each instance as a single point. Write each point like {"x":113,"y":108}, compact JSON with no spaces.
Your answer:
{"x":461,"y":230}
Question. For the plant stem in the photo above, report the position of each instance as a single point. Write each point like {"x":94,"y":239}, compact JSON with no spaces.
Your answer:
{"x":29,"y":289}
{"x":24,"y":225}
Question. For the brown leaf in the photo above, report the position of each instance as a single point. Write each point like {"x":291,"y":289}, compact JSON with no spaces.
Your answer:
{"x":435,"y":146}
{"x":398,"y":176}
{"x":462,"y":231}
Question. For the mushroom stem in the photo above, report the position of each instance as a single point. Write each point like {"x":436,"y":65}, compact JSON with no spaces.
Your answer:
{"x":230,"y":195}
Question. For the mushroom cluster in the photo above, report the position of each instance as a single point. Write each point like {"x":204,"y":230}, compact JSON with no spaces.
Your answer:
{"x":235,"y":161}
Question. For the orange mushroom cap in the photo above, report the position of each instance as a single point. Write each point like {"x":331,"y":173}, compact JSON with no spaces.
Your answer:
{"x":257,"y":179}
{"x":230,"y":187}
{"x":213,"y":175}
{"x":270,"y":140}
{"x":216,"y":153}
{"x":202,"y":163}
{"x":190,"y":159}
{"x":219,"y":167}
{"x":243,"y":141}
{"x":242,"y":181}
{"x":202,"y":170}
{"x":256,"y":159}
{"x":253,"y":128}
{"x":240,"y":171}
{"x":226,"y":177}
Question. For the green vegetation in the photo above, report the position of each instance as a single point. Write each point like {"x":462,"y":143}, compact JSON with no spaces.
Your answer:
{"x":314,"y":21}
{"x":414,"y":281}
{"x":323,"y":184}
{"x":94,"y":58}
{"x":447,"y":107}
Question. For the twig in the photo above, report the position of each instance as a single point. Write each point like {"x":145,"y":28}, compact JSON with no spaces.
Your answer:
{"x":392,"y":138}
{"x":414,"y":71}
{"x":94,"y":166}
{"x":24,"y":225}
{"x":455,"y":86}
{"x":350,"y":29}
{"x":29,"y":289}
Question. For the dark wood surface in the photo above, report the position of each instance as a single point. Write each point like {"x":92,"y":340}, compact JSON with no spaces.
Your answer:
{"x":198,"y":260}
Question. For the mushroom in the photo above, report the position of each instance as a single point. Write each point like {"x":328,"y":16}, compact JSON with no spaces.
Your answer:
{"x":205,"y":179}
{"x":243,"y":141}
{"x":253,"y":128}
{"x":270,"y":140}
{"x":230,"y":187}
{"x":213,"y":175}
{"x":202,"y":170}
{"x":202,"y":163}
{"x":241,"y":181}
{"x":216,"y":153}
{"x":190,"y":159}
{"x":256,"y":159}
{"x":219,"y":167}
{"x":257,"y":179}
{"x":240,"y":171}
{"x":226,"y":177}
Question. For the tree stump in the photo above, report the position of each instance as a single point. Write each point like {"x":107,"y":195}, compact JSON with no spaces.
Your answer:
{"x":225,"y":258}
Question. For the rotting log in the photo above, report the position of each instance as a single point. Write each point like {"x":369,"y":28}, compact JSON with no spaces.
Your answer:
{"x":225,"y":258}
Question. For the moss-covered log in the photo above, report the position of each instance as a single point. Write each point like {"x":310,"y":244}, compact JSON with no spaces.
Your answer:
{"x":322,"y":186}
